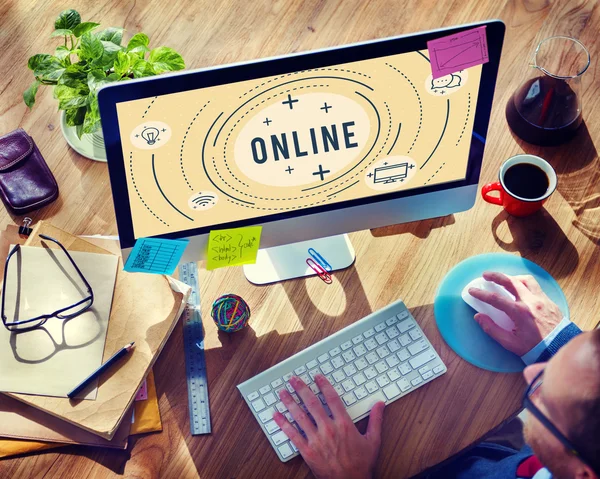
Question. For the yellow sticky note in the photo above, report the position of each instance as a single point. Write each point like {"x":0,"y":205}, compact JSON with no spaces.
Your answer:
{"x":233,"y":247}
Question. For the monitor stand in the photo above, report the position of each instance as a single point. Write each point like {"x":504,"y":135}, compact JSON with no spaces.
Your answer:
{"x":289,"y":261}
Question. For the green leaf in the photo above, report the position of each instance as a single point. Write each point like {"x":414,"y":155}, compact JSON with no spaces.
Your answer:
{"x":35,"y":60}
{"x":165,"y":59}
{"x":69,"y":98}
{"x":84,"y":27}
{"x":67,"y":19}
{"x":138,"y":40}
{"x":91,"y":48}
{"x":110,"y":54}
{"x":111,"y":34}
{"x":142,"y":68}
{"x":122,"y":64}
{"x":75,"y":116}
{"x":49,"y":69}
{"x":29,"y":94}
{"x":79,"y":130}
{"x":75,"y":76}
{"x":61,"y":32}
{"x":62,"y":52}
{"x":91,"y":123}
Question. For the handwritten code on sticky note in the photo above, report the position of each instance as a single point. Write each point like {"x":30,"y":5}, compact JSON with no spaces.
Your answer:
{"x":459,"y":51}
{"x":155,"y":255}
{"x":233,"y":247}
{"x":142,"y":394}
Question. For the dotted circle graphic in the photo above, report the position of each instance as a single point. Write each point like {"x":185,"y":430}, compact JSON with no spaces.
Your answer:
{"x":183,"y":144}
{"x":138,"y":192}
{"x":466,"y":119}
{"x":431,"y":177}
{"x":149,"y":106}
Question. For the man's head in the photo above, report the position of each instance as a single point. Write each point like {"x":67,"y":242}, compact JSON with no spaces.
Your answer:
{"x":570,"y":398}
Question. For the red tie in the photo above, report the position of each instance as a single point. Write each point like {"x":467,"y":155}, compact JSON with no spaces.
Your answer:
{"x":529,"y":467}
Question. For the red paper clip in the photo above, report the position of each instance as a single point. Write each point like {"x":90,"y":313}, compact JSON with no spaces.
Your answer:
{"x":317,"y":268}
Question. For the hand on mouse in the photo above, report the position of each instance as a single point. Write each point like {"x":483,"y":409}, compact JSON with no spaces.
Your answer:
{"x":534,"y":314}
{"x":333,"y":448}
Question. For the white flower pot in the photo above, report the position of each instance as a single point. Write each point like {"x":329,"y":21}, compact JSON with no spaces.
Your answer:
{"x":90,"y":145}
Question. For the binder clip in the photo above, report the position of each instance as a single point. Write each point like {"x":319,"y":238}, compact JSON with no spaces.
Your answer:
{"x":25,"y":230}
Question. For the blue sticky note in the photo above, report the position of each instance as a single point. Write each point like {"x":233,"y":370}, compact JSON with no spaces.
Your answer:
{"x":155,"y":255}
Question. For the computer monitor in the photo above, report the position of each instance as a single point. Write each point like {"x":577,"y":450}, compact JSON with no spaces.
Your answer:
{"x":308,"y":145}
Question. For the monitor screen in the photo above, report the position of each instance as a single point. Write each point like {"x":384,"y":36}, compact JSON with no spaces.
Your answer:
{"x":245,"y":151}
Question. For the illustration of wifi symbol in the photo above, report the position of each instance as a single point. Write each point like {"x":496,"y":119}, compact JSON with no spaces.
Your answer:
{"x":203,"y":200}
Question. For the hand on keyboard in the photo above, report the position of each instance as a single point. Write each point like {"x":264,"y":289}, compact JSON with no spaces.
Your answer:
{"x":534,"y":314}
{"x":329,"y":441}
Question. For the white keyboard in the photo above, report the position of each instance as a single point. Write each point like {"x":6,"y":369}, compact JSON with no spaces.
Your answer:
{"x":381,"y":357}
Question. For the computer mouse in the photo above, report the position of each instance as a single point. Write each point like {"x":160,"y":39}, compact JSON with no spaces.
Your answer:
{"x":499,"y":317}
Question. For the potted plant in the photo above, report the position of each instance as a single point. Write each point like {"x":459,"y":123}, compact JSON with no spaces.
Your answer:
{"x":85,"y":60}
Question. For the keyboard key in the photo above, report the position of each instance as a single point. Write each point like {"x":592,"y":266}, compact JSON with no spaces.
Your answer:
{"x":364,"y":406}
{"x":361,"y":364}
{"x":258,"y":405}
{"x":403,"y":355}
{"x":393,"y":346}
{"x":392,"y":333}
{"x":402,"y":315}
{"x":393,"y":374}
{"x":361,"y":393}
{"x":329,"y":378}
{"x":381,"y":338}
{"x":322,"y":358}
{"x":314,"y":388}
{"x":416,"y":381}
{"x":359,"y":379}
{"x":279,"y":438}
{"x":326,"y":367}
{"x":285,"y":451}
{"x":358,"y":339}
{"x":311,"y":364}
{"x":349,"y":399}
{"x":306,"y":378}
{"x":337,"y":362}
{"x":415,"y":334}
{"x":281,"y":407}
{"x":290,"y":388}
{"x":348,"y":356}
{"x":288,"y":376}
{"x":277,"y":391}
{"x":368,"y":333}
{"x":348,"y":385}
{"x":339,"y":389}
{"x":335,"y":352}
{"x":372,"y":358}
{"x":289,"y":417}
{"x":346,"y":345}
{"x":312,"y":373}
{"x":392,"y":360}
{"x":405,"y":325}
{"x":360,"y":350}
{"x":391,"y":321}
{"x":427,"y":375}
{"x":381,"y":367}
{"x":339,"y":376}
{"x":422,"y":359}
{"x":383,"y":351}
{"x":264,"y":389}
{"x":253,"y":396}
{"x":424,"y":369}
{"x":272,"y":427}
{"x":405,"y":369}
{"x":370,"y":372}
{"x":371,"y":344}
{"x":382,"y":381}
{"x":296,"y":398}
{"x":380,"y":327}
{"x":391,"y":391}
{"x":299,"y":370}
{"x":438,"y":369}
{"x":266,"y":415}
{"x":403,"y":384}
{"x":417,"y":347}
{"x":371,"y":387}
{"x":350,"y":370}
{"x":295,"y":449}
{"x":277,"y":383}
{"x":270,"y":399}
{"x":404,"y":340}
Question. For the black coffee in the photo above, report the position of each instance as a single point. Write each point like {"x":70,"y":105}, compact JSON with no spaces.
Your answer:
{"x":526,"y":180}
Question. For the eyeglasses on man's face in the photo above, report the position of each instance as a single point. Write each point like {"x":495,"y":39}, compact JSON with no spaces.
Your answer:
{"x":68,"y":312}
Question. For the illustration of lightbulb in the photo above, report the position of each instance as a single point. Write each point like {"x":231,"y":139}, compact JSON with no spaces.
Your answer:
{"x":150,"y":135}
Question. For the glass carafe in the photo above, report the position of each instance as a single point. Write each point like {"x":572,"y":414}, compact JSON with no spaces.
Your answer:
{"x":546,"y":108}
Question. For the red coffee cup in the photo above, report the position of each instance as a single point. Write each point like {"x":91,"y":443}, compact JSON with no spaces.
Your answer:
{"x":513,"y":203}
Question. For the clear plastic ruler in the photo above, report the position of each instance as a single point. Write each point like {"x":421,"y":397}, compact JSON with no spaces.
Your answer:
{"x":195,"y":363}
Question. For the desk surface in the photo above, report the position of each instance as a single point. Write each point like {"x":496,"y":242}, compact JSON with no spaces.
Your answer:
{"x":405,"y":261}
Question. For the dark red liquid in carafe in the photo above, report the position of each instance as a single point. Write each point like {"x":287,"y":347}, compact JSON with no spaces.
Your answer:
{"x":544,"y":111}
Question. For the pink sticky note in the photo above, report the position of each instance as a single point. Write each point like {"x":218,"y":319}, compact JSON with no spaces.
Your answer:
{"x":142,"y":394}
{"x":457,"y":52}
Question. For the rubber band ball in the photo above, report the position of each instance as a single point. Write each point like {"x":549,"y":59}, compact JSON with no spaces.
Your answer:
{"x":230,"y":313}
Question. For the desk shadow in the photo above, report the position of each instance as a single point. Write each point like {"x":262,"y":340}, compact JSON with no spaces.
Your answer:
{"x":420,"y":229}
{"x":538,"y":238}
{"x":578,"y":169}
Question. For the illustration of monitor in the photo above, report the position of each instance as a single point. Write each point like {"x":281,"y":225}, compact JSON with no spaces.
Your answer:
{"x":307,"y":145}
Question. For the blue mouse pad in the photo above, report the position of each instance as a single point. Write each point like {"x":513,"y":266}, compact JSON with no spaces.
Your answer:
{"x":455,"y":320}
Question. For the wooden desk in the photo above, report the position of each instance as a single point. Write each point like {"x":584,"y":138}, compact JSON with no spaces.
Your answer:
{"x":406,"y":261}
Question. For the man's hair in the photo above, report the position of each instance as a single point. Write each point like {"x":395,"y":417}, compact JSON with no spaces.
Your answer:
{"x":585,"y":433}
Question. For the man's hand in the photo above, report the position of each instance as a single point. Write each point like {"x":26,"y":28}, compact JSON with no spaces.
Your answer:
{"x":534,"y":314}
{"x":332,"y":447}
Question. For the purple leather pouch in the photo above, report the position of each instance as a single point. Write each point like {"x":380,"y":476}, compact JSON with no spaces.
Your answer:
{"x":26,"y":182}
